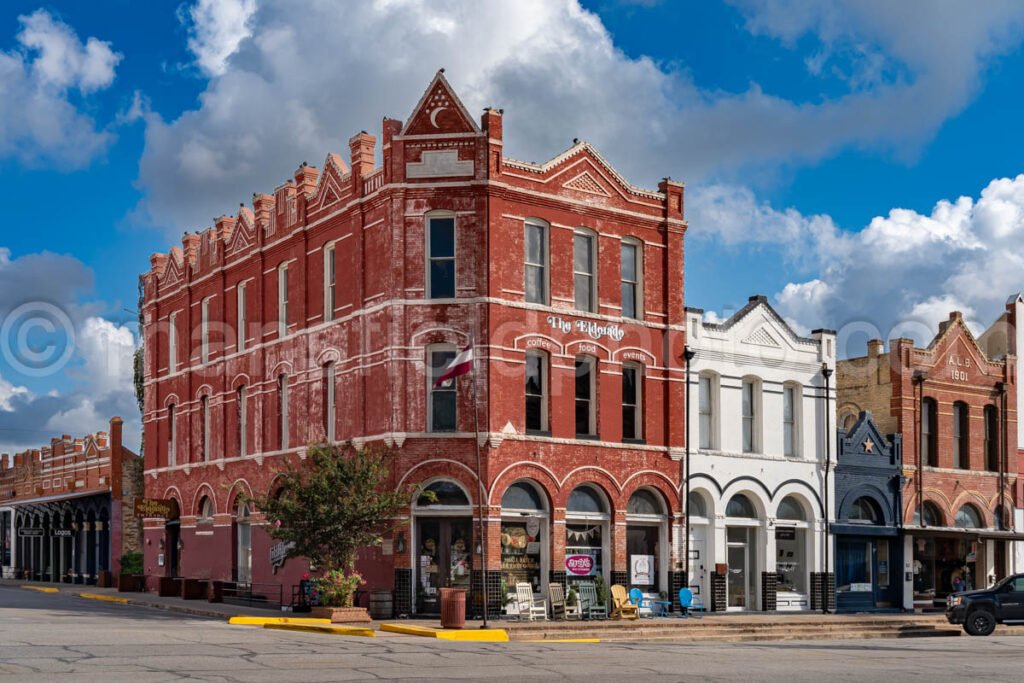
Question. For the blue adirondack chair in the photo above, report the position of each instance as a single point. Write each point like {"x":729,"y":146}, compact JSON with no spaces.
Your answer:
{"x":637,"y":598}
{"x":688,"y":602}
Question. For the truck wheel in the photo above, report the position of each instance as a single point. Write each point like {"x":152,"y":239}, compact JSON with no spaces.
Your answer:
{"x":980,"y":622}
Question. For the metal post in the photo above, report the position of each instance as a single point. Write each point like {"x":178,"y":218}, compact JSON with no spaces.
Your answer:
{"x":688,"y":355}
{"x":480,"y":480}
{"x":826,"y":371}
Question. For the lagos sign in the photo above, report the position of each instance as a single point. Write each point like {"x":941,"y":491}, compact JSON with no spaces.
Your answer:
{"x":579,"y":565}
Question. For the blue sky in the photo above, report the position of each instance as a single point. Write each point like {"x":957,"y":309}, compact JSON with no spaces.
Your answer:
{"x":825,"y":146}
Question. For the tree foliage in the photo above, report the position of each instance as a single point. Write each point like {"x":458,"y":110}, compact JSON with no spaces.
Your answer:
{"x":332,"y":504}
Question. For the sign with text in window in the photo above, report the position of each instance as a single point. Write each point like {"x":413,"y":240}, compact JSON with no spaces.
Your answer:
{"x":641,"y":570}
{"x":580,"y":565}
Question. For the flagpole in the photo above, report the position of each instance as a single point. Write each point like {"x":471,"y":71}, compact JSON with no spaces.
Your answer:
{"x":480,"y":480}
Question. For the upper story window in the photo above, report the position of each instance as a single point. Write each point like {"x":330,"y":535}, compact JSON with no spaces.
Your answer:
{"x":441,"y":400}
{"x":961,"y":436}
{"x":991,"y":439}
{"x":586,"y":384}
{"x":632,"y":395}
{"x":241,"y":305}
{"x":440,"y":256}
{"x":172,"y":435}
{"x":172,"y":343}
{"x":204,"y":426}
{"x":242,"y":419}
{"x":536,"y":263}
{"x":751,"y":415}
{"x":791,"y":403}
{"x":929,"y":432}
{"x":282,"y":411}
{"x":584,"y":259}
{"x":206,"y":511}
{"x":707,"y":403}
{"x":631,"y":277}
{"x":330,"y":300}
{"x":536,"y":391}
{"x":204,"y":331}
{"x":282,"y":300}
{"x":329,"y":418}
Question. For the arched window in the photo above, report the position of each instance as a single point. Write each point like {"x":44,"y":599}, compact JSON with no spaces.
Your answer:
{"x":929,"y":432}
{"x":847,"y":420}
{"x":204,"y":426}
{"x":932,"y":515}
{"x":864,"y":511}
{"x":536,"y":391}
{"x":791,"y":509}
{"x":961,"y":436}
{"x":172,"y":435}
{"x":241,"y":419}
{"x":968,"y":517}
{"x":522,"y":496}
{"x":445,"y":494}
{"x":328,"y":400}
{"x":696,"y":506}
{"x":441,"y":400}
{"x":282,"y":411}
{"x":632,"y":401}
{"x":740,"y":506}
{"x":585,"y":499}
{"x":586,"y":393}
{"x":644,"y":502}
{"x":206,"y":511}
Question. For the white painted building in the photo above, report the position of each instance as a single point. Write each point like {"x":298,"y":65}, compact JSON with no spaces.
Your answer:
{"x":758,"y":425}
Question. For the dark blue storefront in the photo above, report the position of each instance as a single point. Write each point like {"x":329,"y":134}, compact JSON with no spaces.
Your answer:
{"x":867,"y":538}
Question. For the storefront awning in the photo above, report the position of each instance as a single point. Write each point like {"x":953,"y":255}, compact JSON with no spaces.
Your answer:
{"x":957,"y":532}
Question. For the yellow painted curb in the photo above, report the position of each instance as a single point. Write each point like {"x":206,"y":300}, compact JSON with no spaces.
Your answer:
{"x":324,"y":628}
{"x":243,"y":620}
{"x":494,"y":635}
{"x":563,"y":640}
{"x":103,"y":598}
{"x":42,"y":589}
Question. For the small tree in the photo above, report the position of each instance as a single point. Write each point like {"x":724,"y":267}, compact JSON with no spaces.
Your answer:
{"x":331,"y":505}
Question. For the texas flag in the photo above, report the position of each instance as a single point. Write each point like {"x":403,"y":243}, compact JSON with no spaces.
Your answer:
{"x":460,"y":365}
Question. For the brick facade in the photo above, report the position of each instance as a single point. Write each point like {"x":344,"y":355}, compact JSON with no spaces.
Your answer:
{"x":439,"y":163}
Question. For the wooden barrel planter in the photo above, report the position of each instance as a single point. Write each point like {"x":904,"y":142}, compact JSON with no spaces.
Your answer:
{"x":381,"y":605}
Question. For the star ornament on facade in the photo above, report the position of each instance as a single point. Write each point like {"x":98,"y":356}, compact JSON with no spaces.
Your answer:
{"x":869,"y":446}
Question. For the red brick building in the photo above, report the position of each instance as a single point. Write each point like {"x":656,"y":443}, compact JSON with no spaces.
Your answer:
{"x":66,"y":509}
{"x":955,"y":403}
{"x":325,"y":310}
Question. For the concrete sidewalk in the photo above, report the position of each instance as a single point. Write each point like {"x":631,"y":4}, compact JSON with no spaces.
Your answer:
{"x":195,"y":608}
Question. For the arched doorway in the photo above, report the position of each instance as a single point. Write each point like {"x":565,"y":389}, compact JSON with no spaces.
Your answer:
{"x":794,"y":554}
{"x":243,"y":543}
{"x":647,"y":541}
{"x":524,"y":536}
{"x":586,"y":534}
{"x":742,"y":557}
{"x":170,"y":551}
{"x":442,"y":547}
{"x":699,"y":515}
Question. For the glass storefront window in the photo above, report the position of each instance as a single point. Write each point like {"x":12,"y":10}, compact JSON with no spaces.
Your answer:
{"x":520,"y":552}
{"x":942,"y":566}
{"x":791,"y":561}
{"x":853,"y":566}
{"x":642,"y":555}
{"x":583,"y":556}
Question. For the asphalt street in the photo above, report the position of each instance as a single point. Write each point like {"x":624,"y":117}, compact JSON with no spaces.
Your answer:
{"x":45,"y":637}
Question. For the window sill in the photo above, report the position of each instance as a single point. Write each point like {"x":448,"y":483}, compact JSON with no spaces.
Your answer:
{"x":639,"y":442}
{"x":538,"y":432}
{"x":588,"y":437}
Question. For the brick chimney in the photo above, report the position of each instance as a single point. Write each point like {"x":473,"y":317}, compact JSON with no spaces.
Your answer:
{"x":361,"y":146}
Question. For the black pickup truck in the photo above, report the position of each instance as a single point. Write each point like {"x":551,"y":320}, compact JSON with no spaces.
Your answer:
{"x":979,"y":611}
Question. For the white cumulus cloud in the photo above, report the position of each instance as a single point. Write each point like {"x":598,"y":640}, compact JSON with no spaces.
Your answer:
{"x":216,"y":27}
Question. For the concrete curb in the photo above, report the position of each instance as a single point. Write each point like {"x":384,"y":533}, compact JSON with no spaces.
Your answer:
{"x":243,"y":620}
{"x":472,"y":635}
{"x":42,"y":589}
{"x":102,"y":598}
{"x":324,"y":628}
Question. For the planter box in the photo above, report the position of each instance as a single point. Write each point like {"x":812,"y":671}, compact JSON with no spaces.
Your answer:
{"x":342,"y":615}
{"x":168,"y":587}
{"x":131,"y":583}
{"x":193,"y":589}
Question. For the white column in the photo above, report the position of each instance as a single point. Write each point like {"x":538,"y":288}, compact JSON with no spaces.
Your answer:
{"x":908,"y":571}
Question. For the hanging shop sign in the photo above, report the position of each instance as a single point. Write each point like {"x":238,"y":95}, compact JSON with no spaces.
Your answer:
{"x":279,"y":553}
{"x":592,"y":329}
{"x":62,"y":533}
{"x":31,"y":531}
{"x":785,"y":533}
{"x":153,"y":507}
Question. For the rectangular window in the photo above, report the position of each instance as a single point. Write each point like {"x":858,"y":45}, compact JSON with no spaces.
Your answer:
{"x":536,"y":264}
{"x":632,"y":381}
{"x":172,"y":435}
{"x":789,"y":421}
{"x":241,"y":404}
{"x":172,"y":343}
{"x":991,"y":439}
{"x":204,"y":331}
{"x":749,"y":417}
{"x":630,"y":280}
{"x":441,"y":258}
{"x":585,"y":422}
{"x":928,"y":436}
{"x":705,"y":423}
{"x":329,"y":287}
{"x":536,"y":392}
{"x":328,"y":401}
{"x":960,"y":438}
{"x":282,"y":411}
{"x":205,"y":427}
{"x":441,"y":411}
{"x":282,"y":300}
{"x":241,"y":315}
{"x":584,"y":277}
